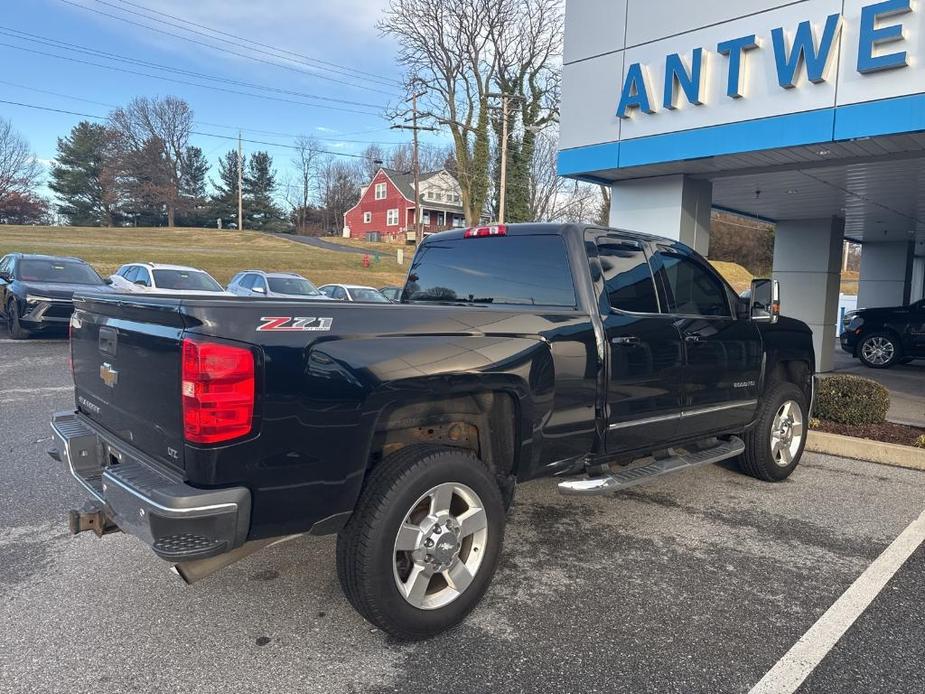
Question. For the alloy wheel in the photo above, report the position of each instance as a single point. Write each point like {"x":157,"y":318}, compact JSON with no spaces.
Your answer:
{"x":786,"y":433}
{"x":878,"y":350}
{"x":439,"y":546}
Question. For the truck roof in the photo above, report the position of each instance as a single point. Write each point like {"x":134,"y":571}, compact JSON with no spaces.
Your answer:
{"x":532,"y":228}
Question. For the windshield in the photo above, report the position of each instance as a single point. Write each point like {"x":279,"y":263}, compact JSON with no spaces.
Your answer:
{"x":297,"y":286}
{"x":64,"y":272}
{"x":368,"y":295}
{"x":185,"y":280}
{"x":519,"y":270}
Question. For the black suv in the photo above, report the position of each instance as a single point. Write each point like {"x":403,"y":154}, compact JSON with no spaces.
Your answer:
{"x":36,"y":291}
{"x":884,"y":337}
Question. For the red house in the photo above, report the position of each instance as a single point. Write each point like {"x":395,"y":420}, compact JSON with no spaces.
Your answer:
{"x":385,"y":211}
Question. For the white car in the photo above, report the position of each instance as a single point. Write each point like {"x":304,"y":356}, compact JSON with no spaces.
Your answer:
{"x":354,"y":292}
{"x":282,"y":285}
{"x":156,"y":278}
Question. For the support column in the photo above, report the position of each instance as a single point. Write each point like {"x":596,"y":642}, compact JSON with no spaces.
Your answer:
{"x":807,"y":261}
{"x":677,"y":207}
{"x":886,"y":274}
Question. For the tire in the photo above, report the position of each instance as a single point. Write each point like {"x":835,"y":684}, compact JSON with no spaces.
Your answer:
{"x":880,"y":351}
{"x":17,"y":332}
{"x":761,"y":459}
{"x":369,"y":566}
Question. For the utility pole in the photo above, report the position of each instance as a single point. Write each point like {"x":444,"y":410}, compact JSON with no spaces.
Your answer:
{"x":414,"y":128}
{"x":240,"y":184}
{"x":502,"y":184}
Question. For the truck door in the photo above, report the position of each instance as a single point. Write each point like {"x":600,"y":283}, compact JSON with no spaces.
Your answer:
{"x":722,"y":352}
{"x":644,"y":357}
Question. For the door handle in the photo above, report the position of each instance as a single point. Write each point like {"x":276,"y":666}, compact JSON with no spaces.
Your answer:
{"x":692,"y":338}
{"x":625,"y":340}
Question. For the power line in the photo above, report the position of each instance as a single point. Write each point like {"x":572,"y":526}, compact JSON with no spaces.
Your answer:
{"x":192,"y":84}
{"x":222,"y":49}
{"x":192,"y":132}
{"x":217,"y":125}
{"x":334,"y":67}
{"x":75,"y":47}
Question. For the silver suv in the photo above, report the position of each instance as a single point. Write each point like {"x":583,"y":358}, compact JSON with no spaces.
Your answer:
{"x":283,"y":285}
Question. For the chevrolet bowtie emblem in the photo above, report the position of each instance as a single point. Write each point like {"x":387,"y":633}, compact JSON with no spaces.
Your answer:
{"x":109,"y":375}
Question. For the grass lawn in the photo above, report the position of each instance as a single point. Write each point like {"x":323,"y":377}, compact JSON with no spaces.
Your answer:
{"x":220,"y":253}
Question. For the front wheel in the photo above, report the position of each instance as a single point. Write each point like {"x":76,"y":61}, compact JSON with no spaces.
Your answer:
{"x":774,"y":445}
{"x":13,"y":323}
{"x":421,"y":548}
{"x":880,"y":351}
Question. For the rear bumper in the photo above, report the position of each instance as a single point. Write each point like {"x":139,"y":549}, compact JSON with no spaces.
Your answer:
{"x":178,"y":521}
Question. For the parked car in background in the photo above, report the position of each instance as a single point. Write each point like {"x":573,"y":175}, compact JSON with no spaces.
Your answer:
{"x":391,"y":293}
{"x":885,"y":337}
{"x":36,"y":291}
{"x":156,"y":278}
{"x":281,"y":285}
{"x":354,"y":292}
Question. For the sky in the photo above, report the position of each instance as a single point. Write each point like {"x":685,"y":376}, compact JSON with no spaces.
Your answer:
{"x":359,"y":67}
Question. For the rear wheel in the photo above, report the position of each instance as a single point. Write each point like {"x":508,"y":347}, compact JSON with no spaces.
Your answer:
{"x":421,"y":548}
{"x":774,"y":446}
{"x":17,"y":332}
{"x":880,"y":351}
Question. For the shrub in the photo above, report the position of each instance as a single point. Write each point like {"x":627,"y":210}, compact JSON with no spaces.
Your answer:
{"x":920,"y":442}
{"x":814,"y":423}
{"x":851,"y":400}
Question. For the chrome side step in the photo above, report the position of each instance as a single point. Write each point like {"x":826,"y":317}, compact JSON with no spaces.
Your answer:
{"x":624,"y":479}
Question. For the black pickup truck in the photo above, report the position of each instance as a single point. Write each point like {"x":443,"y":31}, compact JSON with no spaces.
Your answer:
{"x":211,"y":427}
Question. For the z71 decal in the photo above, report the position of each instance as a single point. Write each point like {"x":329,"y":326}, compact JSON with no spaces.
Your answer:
{"x":290,"y":324}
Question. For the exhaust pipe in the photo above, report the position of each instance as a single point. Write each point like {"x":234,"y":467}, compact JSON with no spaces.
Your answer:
{"x":198,"y":569}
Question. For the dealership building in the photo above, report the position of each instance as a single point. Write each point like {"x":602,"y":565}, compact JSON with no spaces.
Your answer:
{"x":807,"y":114}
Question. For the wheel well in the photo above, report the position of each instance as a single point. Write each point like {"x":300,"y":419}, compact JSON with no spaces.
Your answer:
{"x":484,"y":423}
{"x":796,"y":371}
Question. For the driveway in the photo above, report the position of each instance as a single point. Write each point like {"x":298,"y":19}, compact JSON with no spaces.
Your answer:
{"x":700,"y":582}
{"x":320,"y":243}
{"x":906,"y":384}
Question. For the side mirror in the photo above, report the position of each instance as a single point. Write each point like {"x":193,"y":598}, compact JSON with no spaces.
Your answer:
{"x":258,"y":290}
{"x":108,"y":281}
{"x":764,"y":304}
{"x":140,"y":283}
{"x":5,"y":276}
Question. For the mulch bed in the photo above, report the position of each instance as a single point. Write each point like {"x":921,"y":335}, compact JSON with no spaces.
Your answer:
{"x":886,"y":432}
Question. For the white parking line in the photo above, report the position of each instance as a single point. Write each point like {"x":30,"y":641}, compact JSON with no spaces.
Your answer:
{"x":796,"y":665}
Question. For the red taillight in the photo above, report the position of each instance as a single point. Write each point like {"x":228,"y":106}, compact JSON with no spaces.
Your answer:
{"x":217,"y":390}
{"x":479,"y":232}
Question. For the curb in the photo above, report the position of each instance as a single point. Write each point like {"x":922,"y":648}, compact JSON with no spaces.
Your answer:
{"x":866,"y":450}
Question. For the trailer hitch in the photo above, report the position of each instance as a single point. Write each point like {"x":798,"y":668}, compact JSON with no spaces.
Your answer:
{"x":91,"y":517}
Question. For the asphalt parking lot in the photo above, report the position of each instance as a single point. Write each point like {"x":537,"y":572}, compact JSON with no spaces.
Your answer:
{"x":697,"y":583}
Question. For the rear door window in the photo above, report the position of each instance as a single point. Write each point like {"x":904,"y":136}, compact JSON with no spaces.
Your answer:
{"x":505,"y":270}
{"x":627,"y":276}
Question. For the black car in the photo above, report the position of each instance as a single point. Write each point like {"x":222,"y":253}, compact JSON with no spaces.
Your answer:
{"x":884,"y":337}
{"x":36,"y":291}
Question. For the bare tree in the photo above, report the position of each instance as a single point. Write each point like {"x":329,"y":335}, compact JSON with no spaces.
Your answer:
{"x":447,"y":47}
{"x":164,"y":126}
{"x":305,"y":162}
{"x":339,"y":189}
{"x":529,"y":41}
{"x":19,"y":169}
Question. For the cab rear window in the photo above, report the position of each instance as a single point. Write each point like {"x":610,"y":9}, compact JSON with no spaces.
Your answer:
{"x":505,"y":270}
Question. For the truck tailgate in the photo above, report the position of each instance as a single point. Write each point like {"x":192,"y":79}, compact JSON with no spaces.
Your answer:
{"x":126,"y":358}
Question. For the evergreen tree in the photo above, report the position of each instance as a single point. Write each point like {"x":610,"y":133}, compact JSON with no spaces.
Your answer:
{"x":261,"y":211}
{"x":224,"y":201}
{"x":194,"y":210}
{"x":84,"y":176}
